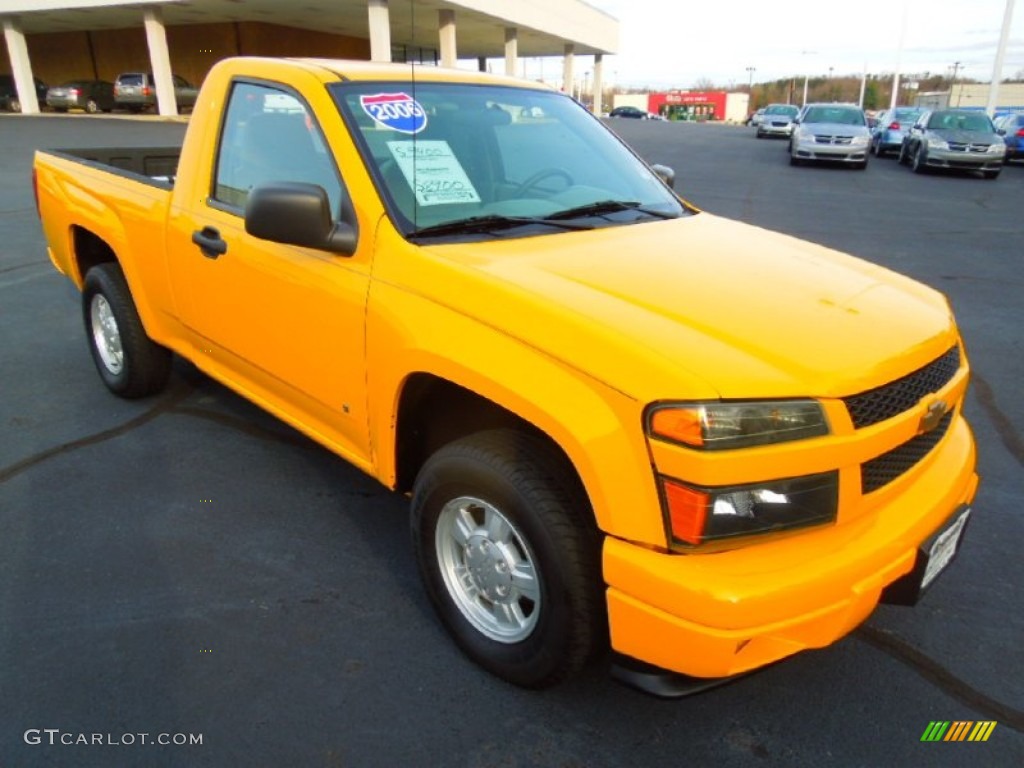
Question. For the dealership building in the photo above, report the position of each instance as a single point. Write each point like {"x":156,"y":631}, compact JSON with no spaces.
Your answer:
{"x":60,"y":40}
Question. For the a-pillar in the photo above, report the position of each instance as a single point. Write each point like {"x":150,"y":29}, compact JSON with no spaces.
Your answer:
{"x":380,"y":30}
{"x":598,"y":82}
{"x":446,"y":32}
{"x":21,"y":67}
{"x":511,"y":50}
{"x":160,"y":62}
{"x":567,"y":66}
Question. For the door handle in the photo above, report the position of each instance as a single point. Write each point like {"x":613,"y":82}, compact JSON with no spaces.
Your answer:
{"x":209,"y":241}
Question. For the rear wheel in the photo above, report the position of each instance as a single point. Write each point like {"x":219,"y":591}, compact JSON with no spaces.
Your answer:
{"x":129,"y":362}
{"x":510,"y":557}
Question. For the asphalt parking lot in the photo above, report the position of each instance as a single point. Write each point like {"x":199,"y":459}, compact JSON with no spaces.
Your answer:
{"x":188,"y":565}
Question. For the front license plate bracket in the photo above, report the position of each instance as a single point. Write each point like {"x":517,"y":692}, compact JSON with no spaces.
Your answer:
{"x":933,"y":557}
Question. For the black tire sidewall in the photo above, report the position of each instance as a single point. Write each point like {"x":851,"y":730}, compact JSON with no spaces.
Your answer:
{"x":145,"y":365}
{"x":544,"y":657}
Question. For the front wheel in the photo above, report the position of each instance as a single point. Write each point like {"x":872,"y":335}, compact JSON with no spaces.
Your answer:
{"x":510,"y":556}
{"x":919,"y":163}
{"x":129,"y":362}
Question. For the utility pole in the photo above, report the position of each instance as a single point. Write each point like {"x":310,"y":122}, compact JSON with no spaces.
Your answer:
{"x":750,"y":80}
{"x":952,"y":84}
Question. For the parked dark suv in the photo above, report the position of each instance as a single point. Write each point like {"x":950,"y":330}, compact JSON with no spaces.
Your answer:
{"x":9,"y":93}
{"x":136,"y":91}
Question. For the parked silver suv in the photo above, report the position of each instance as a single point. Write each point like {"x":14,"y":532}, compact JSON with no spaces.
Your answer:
{"x":135,"y":91}
{"x":830,"y":132}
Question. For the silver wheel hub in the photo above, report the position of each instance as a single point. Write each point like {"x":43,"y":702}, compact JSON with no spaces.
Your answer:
{"x":106,"y":336}
{"x":488,"y":569}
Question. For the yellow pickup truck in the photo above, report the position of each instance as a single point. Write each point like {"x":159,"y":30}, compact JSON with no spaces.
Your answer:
{"x":624,"y":424}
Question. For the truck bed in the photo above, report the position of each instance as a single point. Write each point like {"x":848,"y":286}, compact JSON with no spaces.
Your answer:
{"x":157,"y":165}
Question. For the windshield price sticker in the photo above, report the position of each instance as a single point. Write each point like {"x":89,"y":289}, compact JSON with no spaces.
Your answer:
{"x":434,"y":172}
{"x":397,"y":111}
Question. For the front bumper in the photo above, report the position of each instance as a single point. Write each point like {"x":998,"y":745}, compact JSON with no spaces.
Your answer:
{"x":970,"y":161}
{"x":839,"y":153}
{"x":771,"y":129}
{"x":718,"y":615}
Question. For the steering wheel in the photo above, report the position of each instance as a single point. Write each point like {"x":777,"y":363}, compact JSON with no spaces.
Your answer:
{"x":539,"y":176}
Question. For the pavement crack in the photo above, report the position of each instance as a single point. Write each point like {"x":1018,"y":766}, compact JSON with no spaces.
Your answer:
{"x":241,"y":425}
{"x":1004,"y":427}
{"x":903,"y":652}
{"x":161,"y":407}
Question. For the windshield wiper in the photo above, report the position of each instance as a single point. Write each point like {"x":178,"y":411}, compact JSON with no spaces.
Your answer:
{"x":603,"y":207}
{"x":489,"y":223}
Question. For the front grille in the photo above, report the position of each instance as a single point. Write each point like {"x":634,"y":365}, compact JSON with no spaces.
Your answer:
{"x":833,"y":139}
{"x":958,"y":146}
{"x":894,"y":398}
{"x":883,"y":469}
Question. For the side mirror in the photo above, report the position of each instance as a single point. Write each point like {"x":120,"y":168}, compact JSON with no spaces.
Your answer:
{"x":1001,"y":131}
{"x":666,"y":174}
{"x":295,"y":213}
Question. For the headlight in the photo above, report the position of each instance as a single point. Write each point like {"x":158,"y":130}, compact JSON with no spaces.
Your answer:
{"x":997,"y":149}
{"x":805,"y":136}
{"x":723,"y":425}
{"x":937,"y":144}
{"x":696,"y":515}
{"x":859,"y":141}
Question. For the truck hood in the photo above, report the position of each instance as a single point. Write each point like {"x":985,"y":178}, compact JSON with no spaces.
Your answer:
{"x":704,"y":306}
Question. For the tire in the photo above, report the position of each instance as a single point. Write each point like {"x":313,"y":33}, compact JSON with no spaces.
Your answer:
{"x":130,"y":364}
{"x":92,"y":107}
{"x":863,"y":166}
{"x":918,"y":164}
{"x":794,"y":160}
{"x":879,"y":152}
{"x":990,"y":175}
{"x":902,"y":159}
{"x":760,"y":134}
{"x":510,"y":556}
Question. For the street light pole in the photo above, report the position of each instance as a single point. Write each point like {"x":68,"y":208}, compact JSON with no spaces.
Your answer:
{"x":750,"y":79}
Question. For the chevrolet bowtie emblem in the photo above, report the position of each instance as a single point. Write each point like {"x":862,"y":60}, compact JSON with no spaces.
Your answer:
{"x":933,"y":415}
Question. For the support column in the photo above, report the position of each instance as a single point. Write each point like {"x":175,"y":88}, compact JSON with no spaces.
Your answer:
{"x":380,"y":30}
{"x":511,"y":51}
{"x":481,"y":63}
{"x":160,"y":61}
{"x":598,"y":83}
{"x":21,"y":66}
{"x":446,"y":31}
{"x":567,"y":67}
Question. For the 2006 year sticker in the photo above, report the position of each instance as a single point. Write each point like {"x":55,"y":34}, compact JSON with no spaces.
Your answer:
{"x":397,"y":111}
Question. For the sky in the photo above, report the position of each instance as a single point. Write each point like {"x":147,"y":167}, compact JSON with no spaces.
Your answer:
{"x":678,"y":43}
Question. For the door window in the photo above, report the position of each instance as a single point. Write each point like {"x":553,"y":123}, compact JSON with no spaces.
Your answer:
{"x":270,"y":135}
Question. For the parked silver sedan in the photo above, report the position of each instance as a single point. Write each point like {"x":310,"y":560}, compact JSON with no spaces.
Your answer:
{"x":777,"y":120}
{"x":954,"y":139}
{"x":830,"y":133}
{"x":90,"y":95}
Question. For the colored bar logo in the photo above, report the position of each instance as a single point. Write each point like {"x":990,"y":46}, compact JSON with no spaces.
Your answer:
{"x":958,"y":730}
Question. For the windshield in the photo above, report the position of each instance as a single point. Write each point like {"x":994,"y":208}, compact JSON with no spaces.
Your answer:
{"x":960,"y":121}
{"x":447,"y":152}
{"x":782,"y":109}
{"x":837,"y":115}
